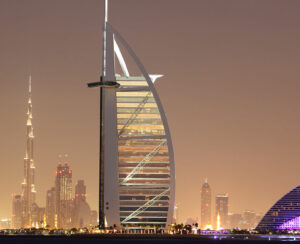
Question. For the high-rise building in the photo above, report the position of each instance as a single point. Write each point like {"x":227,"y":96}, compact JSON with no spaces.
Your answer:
{"x":63,"y":199}
{"x":50,"y":207}
{"x":80,"y":191}
{"x":37,"y":216}
{"x":222,"y":211}
{"x":235,"y":221}
{"x":5,"y":224}
{"x":82,"y":211}
{"x":94,"y":218}
{"x":137,"y":173}
{"x":17,"y":210}
{"x":205,"y":205}
{"x":28,"y":187}
{"x":250,"y":219}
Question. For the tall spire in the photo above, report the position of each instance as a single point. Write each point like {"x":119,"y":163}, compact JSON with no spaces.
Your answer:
{"x":30,"y":83}
{"x":104,"y":39}
{"x":106,"y":11}
{"x":108,"y":62}
{"x":28,"y":186}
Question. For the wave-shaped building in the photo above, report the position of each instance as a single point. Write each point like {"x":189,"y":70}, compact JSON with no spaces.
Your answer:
{"x":284,"y":215}
{"x":137,"y":172}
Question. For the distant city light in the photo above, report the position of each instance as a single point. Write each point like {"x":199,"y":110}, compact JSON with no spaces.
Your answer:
{"x":208,"y":227}
{"x":218,"y":222}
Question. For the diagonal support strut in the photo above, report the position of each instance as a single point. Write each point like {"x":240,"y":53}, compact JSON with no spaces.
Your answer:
{"x":145,"y":206}
{"x":145,"y":160}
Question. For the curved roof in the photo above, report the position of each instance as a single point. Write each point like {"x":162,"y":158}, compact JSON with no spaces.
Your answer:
{"x":284,"y":213}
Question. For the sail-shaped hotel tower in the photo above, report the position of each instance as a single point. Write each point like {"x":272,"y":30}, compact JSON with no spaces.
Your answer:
{"x":137,"y":172}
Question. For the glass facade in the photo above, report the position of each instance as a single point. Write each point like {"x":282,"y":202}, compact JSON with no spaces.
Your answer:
{"x":143,"y":156}
{"x":205,"y":205}
{"x":285,"y":213}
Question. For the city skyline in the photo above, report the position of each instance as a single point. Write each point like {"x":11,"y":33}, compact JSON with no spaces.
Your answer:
{"x":245,"y":128}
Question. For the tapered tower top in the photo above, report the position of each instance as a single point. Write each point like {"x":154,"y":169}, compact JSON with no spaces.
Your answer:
{"x":29,"y":83}
{"x":105,"y":10}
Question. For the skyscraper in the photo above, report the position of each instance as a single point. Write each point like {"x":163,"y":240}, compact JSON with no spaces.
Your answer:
{"x":50,"y":207}
{"x":137,"y":172}
{"x":82,"y":211}
{"x":205,"y":205}
{"x":250,"y":219}
{"x":235,"y":220}
{"x":63,"y":189}
{"x":36,"y":216}
{"x":222,"y":210}
{"x":28,"y":187}
{"x":93,"y":218}
{"x":16,"y":220}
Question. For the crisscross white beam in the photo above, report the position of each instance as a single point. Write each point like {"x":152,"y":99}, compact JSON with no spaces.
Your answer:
{"x":135,"y":113}
{"x":145,"y":160}
{"x":145,"y":206}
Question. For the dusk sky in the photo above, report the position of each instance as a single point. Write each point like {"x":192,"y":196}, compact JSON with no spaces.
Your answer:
{"x":231,"y":92}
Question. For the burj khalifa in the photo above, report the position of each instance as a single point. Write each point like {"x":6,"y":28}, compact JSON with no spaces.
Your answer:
{"x":28,"y":187}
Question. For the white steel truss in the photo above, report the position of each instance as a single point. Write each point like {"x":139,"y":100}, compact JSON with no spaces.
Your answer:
{"x":145,"y":160}
{"x":145,"y":206}
{"x":135,"y":114}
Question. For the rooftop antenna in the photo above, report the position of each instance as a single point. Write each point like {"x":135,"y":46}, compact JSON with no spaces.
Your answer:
{"x":30,"y":83}
{"x":106,"y":10}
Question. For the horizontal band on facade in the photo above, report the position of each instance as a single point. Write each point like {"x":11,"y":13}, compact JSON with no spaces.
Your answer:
{"x":142,"y":137}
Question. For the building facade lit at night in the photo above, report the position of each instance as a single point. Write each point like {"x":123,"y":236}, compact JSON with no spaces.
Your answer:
{"x":63,"y":191}
{"x":82,"y":212}
{"x":221,"y":211}
{"x":284,"y":214}
{"x":16,"y":220}
{"x":50,"y":207}
{"x":31,"y":213}
{"x":28,"y":186}
{"x":206,"y":206}
{"x":137,"y":172}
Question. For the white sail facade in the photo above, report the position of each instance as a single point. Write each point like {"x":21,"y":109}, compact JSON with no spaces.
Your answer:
{"x":137,"y":172}
{"x":144,"y":160}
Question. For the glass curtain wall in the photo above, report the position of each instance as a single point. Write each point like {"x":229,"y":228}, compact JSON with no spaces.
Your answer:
{"x":144,"y":167}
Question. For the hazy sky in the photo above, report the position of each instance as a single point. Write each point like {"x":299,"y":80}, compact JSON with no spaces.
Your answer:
{"x":231,"y":92}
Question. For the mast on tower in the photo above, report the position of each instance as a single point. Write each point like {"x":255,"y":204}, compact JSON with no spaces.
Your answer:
{"x":107,"y":81}
{"x":104,"y":40}
{"x":30,"y":84}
